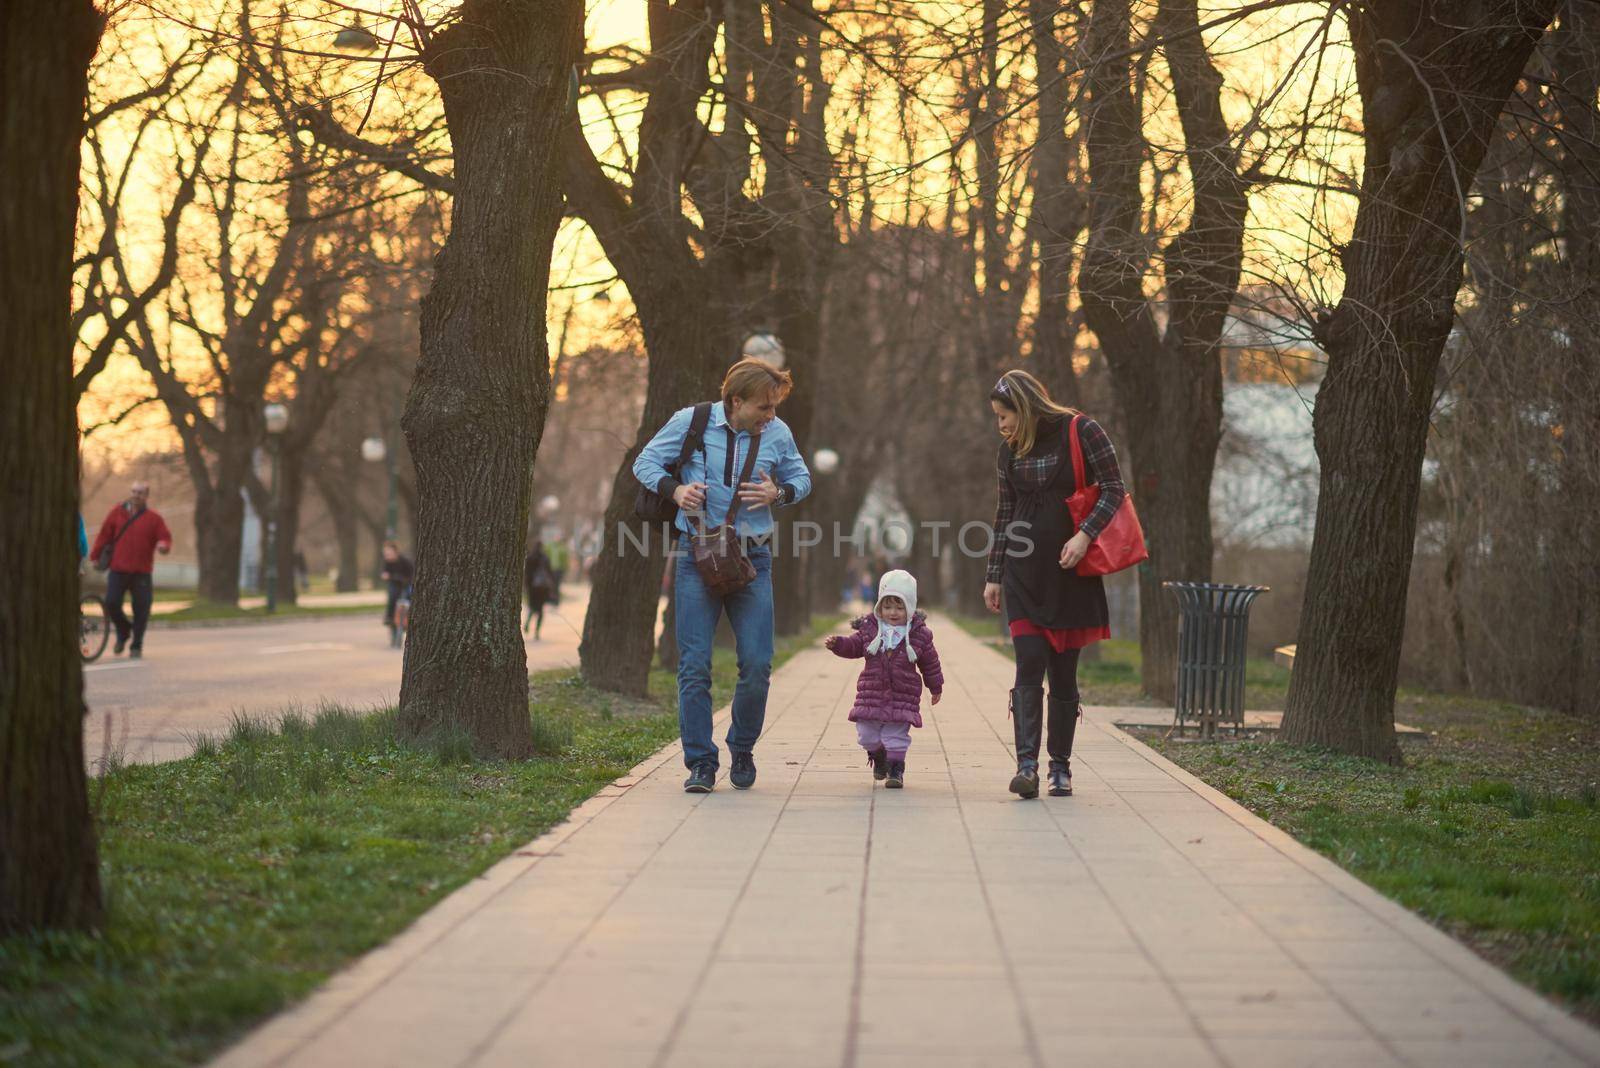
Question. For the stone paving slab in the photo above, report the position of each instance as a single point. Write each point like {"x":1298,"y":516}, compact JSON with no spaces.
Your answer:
{"x":818,"y":920}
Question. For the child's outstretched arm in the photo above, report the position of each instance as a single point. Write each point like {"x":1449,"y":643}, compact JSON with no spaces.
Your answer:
{"x":851,"y":646}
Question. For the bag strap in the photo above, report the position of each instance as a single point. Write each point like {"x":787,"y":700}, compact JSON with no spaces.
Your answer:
{"x":695,"y":437}
{"x":745,"y":474}
{"x":1075,"y":439}
{"x":112,"y":544}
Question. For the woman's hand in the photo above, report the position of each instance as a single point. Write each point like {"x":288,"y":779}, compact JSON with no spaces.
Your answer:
{"x":936,"y":697}
{"x":1073,"y":552}
{"x":991,"y":596}
{"x":831,"y":642}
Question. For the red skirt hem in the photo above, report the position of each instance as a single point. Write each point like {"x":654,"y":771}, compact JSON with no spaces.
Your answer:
{"x":1061,"y":639}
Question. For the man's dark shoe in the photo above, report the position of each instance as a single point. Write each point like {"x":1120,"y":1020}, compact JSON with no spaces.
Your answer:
{"x":136,"y":653}
{"x":1025,"y":784}
{"x":702,"y":779}
{"x":743,"y":772}
{"x":880,"y":764}
{"x":1060,"y":779}
{"x":122,"y":643}
{"x":897,"y":775}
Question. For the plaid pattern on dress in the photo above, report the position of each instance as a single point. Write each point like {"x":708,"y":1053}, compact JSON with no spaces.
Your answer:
{"x":1039,"y":467}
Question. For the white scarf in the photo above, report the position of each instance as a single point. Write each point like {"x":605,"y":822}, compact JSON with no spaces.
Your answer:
{"x":890,"y":637}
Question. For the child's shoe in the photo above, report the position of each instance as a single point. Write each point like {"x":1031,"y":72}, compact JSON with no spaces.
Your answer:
{"x":880,"y":764}
{"x":897,"y":775}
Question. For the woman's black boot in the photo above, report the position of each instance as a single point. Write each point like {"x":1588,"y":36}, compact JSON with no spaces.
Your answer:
{"x":1063,"y":725}
{"x":1027,"y":720}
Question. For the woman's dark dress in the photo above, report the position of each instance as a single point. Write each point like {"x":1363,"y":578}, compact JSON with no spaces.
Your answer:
{"x":1040,"y":595}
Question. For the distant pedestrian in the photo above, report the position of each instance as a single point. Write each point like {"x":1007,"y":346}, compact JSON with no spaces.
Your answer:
{"x":559,"y":557}
{"x":897,"y":644}
{"x":302,"y":574}
{"x":399,"y":573}
{"x":540,"y":584}
{"x":83,"y":541}
{"x":125,"y":549}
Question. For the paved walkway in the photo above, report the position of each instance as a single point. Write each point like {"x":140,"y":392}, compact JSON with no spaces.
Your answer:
{"x":193,"y":680}
{"x":816,"y":920}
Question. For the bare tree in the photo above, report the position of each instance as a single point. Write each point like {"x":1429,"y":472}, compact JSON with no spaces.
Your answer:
{"x":683,"y":282}
{"x":1167,"y":379}
{"x":105,"y":313}
{"x":1433,"y":81}
{"x":477,"y":406}
{"x":1514,"y":435}
{"x":49,"y":868}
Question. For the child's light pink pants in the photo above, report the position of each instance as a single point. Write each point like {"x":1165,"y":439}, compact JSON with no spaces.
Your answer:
{"x":894,"y":738}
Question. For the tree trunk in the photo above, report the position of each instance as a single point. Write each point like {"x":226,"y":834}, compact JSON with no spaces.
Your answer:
{"x":49,"y":870}
{"x":801,"y":272}
{"x":1168,"y":382}
{"x":219,"y":504}
{"x":219,"y":540}
{"x":1058,"y":212}
{"x":1577,"y":69}
{"x":477,"y":406}
{"x":683,"y":301}
{"x":346,"y":530}
{"x":619,"y":637}
{"x":290,"y":492}
{"x":1432,"y":89}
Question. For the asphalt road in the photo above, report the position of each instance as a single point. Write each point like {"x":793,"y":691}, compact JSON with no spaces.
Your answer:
{"x":193,"y":680}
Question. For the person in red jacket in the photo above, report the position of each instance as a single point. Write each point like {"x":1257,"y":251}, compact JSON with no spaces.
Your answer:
{"x":135,"y":533}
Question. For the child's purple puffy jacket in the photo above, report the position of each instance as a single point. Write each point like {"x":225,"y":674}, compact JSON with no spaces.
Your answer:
{"x":890,"y":690}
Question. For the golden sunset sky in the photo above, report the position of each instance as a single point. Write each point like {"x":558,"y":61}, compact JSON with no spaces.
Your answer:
{"x":1282,"y":63}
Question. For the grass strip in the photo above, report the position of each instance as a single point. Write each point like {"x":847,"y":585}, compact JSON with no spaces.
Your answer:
{"x":1108,"y":671}
{"x":1491,"y":830}
{"x":207,"y":611}
{"x":239,"y":878}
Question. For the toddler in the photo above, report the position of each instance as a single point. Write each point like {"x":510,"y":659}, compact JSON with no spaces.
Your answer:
{"x":897,"y":644}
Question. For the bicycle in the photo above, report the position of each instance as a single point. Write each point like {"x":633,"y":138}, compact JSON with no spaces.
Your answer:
{"x":402,"y":620}
{"x":94,"y":627}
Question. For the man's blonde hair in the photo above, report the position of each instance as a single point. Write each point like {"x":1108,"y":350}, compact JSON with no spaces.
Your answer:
{"x":750,"y":378}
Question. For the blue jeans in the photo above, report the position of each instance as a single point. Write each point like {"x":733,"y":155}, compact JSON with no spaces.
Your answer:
{"x":697,"y":610}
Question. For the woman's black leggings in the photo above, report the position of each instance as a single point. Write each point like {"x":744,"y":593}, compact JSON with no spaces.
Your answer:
{"x":1036,"y":659}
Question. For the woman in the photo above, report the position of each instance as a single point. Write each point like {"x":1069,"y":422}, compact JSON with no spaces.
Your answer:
{"x":1052,"y":610}
{"x":540,"y":584}
{"x":398,"y":574}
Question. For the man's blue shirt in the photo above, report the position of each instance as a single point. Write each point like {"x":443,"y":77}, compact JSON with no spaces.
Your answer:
{"x":719,"y":462}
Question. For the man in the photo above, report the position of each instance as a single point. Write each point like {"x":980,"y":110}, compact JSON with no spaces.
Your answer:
{"x":136,"y":533}
{"x":751,"y":393}
{"x":398,"y":573}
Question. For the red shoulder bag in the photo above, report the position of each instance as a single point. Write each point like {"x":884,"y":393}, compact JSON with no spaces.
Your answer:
{"x":1121,"y":544}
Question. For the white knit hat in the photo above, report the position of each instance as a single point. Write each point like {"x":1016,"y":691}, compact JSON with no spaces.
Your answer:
{"x":901,"y":584}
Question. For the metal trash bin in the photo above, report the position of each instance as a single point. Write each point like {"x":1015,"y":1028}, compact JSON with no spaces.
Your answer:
{"x":1213,"y":625}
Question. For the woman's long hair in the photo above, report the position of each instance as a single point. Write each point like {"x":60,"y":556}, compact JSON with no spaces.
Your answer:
{"x":1026,"y":395}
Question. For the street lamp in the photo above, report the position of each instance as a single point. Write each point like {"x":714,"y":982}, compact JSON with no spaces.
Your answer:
{"x":763,"y":345}
{"x":548,"y":506}
{"x":376,"y":450}
{"x":355,"y":38}
{"x":826,"y":461}
{"x":276,"y":417}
